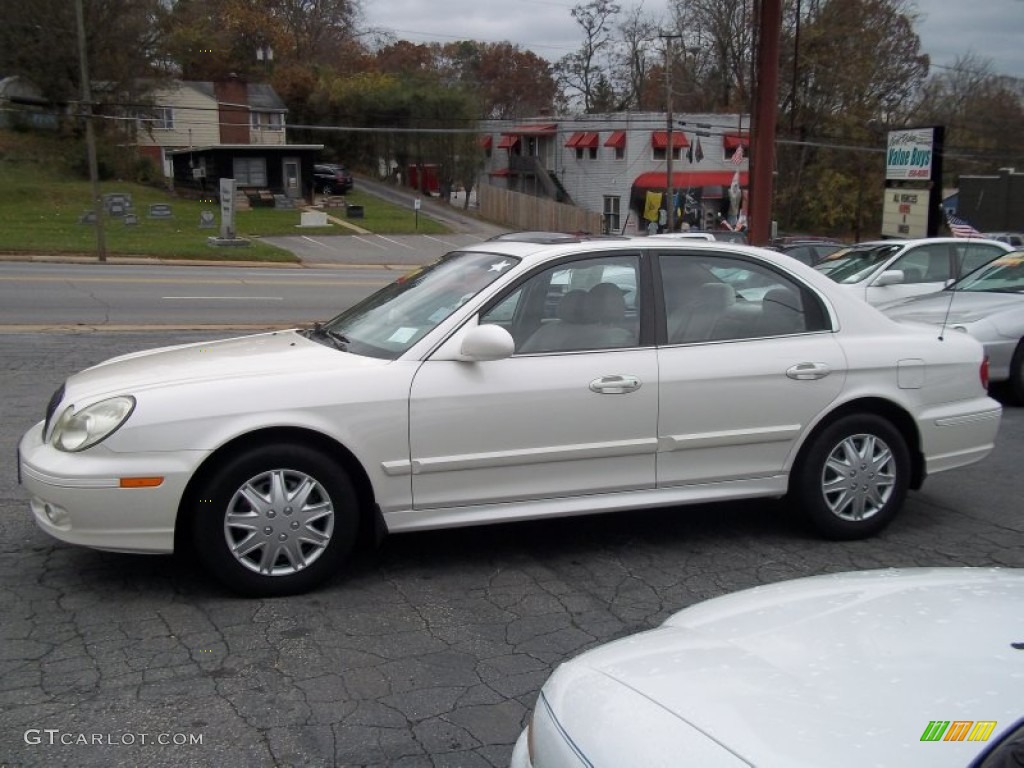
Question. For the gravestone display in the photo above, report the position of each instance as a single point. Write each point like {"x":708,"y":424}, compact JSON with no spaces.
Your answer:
{"x":160,"y":211}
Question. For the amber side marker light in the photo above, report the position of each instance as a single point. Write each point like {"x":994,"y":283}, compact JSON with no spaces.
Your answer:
{"x":141,"y":482}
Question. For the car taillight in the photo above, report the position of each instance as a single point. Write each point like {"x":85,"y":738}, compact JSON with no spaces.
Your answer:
{"x":983,"y":372}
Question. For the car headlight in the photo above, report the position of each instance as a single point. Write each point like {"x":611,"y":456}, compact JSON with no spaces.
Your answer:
{"x":78,"y":430}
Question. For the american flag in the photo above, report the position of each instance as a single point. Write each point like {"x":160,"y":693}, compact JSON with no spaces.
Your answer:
{"x":959,"y":227}
{"x":737,"y":156}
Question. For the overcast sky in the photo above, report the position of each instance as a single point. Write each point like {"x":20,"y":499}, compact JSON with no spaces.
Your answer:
{"x":991,"y":29}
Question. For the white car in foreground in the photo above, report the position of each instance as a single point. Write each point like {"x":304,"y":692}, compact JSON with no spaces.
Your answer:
{"x":914,"y":667}
{"x":510,"y":380}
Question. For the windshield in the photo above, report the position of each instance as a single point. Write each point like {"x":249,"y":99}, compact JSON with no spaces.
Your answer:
{"x":390,"y":321}
{"x":851,"y":265}
{"x":1004,"y":275}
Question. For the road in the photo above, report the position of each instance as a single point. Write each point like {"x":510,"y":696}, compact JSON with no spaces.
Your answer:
{"x":427,"y":652}
{"x":110,"y":296}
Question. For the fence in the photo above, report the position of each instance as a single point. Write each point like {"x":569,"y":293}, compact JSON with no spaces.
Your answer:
{"x":527,"y":212}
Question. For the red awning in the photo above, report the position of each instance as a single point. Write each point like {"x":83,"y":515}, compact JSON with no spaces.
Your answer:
{"x":733,"y":140}
{"x":500,"y":172}
{"x":486,"y":141}
{"x":583,"y":140}
{"x":684,"y":179}
{"x":617,"y":140}
{"x":508,"y":141}
{"x":533,"y":129}
{"x":659,"y":139}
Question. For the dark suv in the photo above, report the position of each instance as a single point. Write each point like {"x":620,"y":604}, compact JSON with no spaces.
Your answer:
{"x":331,"y":179}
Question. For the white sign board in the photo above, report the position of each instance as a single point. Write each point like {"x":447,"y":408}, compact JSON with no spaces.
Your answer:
{"x":910,"y":154}
{"x":905,"y":213}
{"x":227,"y":209}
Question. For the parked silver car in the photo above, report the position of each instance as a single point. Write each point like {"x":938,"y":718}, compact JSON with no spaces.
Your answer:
{"x":989,"y":305}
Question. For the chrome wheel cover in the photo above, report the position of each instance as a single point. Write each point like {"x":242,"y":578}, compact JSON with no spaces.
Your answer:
{"x":279,"y":522}
{"x":858,"y":477}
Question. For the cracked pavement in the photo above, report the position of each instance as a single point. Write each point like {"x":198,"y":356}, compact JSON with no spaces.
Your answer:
{"x":429,"y":651}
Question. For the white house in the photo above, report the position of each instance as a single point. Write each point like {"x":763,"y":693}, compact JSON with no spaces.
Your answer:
{"x":617,"y":164}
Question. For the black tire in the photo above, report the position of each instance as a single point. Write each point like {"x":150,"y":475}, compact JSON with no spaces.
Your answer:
{"x":247,"y":533}
{"x":1017,"y":374}
{"x":853,"y":476}
{"x":327,"y":189}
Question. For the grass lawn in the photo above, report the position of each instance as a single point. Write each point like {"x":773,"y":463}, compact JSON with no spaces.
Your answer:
{"x":40,"y":207}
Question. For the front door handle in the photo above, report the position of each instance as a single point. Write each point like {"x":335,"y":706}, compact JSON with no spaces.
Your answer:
{"x":615,"y":385}
{"x":808,"y":371}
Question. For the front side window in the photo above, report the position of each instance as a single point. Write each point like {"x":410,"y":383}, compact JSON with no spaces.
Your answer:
{"x":716,"y":297}
{"x":390,"y":321}
{"x":852,"y":265}
{"x":586,"y":304}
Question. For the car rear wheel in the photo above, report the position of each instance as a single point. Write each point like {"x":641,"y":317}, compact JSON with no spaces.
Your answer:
{"x":327,"y":189}
{"x":853,"y":477}
{"x":275,"y":520}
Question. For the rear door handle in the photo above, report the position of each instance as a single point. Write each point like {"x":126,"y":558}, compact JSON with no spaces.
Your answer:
{"x":808,"y":371}
{"x":615,"y":385}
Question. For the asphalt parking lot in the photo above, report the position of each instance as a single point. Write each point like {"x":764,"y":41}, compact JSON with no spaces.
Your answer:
{"x":429,"y":651}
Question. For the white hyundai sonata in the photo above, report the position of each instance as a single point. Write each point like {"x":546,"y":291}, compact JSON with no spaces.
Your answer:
{"x":507,"y":381}
{"x":901,"y":668}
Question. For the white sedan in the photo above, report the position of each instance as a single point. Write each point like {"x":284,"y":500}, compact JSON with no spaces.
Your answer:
{"x":886,"y":270}
{"x":508,"y":381}
{"x":914,"y":667}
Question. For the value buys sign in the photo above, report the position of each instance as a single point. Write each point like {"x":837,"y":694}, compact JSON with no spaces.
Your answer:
{"x":910,"y":155}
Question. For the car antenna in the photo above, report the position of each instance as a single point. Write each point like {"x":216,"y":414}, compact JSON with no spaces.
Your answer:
{"x":952,"y":291}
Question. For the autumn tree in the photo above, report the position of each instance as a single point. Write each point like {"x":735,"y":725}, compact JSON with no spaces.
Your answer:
{"x":38,"y":40}
{"x":858,"y":68}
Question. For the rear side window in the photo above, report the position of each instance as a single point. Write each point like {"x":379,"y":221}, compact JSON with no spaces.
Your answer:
{"x":718,"y":297}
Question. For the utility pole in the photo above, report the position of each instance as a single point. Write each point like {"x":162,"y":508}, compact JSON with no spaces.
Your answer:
{"x":90,"y":137}
{"x":762,"y":165}
{"x":670,"y":206}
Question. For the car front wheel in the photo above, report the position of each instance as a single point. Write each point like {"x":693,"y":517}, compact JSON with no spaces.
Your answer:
{"x":853,"y":477}
{"x":275,"y":520}
{"x":327,"y":189}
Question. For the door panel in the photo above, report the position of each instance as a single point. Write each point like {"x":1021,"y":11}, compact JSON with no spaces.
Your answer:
{"x":734,"y":409}
{"x":533,"y":427}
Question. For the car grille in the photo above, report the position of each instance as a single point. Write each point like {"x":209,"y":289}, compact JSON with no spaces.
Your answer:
{"x":51,"y":408}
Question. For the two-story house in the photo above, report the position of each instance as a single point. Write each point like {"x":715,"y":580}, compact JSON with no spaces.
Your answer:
{"x":617,"y":165}
{"x":202,"y":131}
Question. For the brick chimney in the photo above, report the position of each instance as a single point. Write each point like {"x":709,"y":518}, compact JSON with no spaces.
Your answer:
{"x":232,"y":104}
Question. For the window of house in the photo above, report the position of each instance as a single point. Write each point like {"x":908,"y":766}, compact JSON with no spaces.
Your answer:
{"x":250,"y":171}
{"x":659,"y":153}
{"x":161,"y":118}
{"x":611,"y":214}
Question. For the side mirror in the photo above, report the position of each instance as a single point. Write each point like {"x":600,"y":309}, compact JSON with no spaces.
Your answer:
{"x":487,"y":342}
{"x":889,"y":277}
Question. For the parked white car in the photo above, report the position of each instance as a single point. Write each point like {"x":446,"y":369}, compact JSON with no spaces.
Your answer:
{"x":510,"y":380}
{"x":911,"y":667}
{"x":886,"y":270}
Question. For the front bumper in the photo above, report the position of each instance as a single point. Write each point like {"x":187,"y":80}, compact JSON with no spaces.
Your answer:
{"x":79,"y":498}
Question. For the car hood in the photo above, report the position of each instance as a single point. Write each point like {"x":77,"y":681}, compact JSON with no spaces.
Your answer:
{"x":952,"y":307}
{"x":840,"y":670}
{"x":257,"y":355}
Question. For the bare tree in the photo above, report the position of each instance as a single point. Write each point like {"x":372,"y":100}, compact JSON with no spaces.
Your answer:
{"x":583,"y":71}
